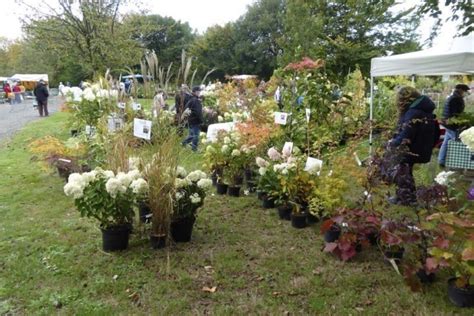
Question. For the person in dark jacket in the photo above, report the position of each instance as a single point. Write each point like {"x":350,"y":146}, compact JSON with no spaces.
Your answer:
{"x":181,"y":100}
{"x":194,"y":114}
{"x":417,"y":134}
{"x":454,"y":106}
{"x":41,"y":93}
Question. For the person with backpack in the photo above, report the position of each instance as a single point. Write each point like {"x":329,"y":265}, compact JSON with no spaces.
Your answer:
{"x":417,"y":134}
{"x":41,"y":93}
{"x":454,"y":106}
{"x":194,"y":113}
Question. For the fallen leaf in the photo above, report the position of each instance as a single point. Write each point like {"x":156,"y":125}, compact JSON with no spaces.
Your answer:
{"x":359,"y":309}
{"x":209,"y":289}
{"x":115,"y":277}
{"x":318,"y":271}
{"x":276,"y":293}
{"x":368,"y":302}
{"x":260,"y":278}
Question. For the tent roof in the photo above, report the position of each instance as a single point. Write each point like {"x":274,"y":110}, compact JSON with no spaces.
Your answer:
{"x":30,"y":77}
{"x":454,"y":59}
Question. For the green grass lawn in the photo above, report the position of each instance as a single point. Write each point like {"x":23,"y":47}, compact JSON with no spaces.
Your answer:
{"x":52,"y":262}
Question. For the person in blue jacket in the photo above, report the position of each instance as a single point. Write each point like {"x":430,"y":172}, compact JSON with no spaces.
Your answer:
{"x":417,"y":134}
{"x":454,"y":106}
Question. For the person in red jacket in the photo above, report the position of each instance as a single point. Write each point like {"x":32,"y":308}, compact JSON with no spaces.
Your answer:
{"x":17,"y":92}
{"x":8,"y":90}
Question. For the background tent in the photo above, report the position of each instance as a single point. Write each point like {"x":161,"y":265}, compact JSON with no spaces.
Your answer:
{"x":29,"y":80}
{"x":454,"y":59}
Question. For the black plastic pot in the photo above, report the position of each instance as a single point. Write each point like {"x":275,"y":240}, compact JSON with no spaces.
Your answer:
{"x":425,"y":277}
{"x":373,"y":238}
{"x":74,"y":132}
{"x":332,"y":234}
{"x":462,"y":297}
{"x":182,"y":228}
{"x":252,"y":186}
{"x":284,"y":212}
{"x":221,"y":188}
{"x":214,"y":179}
{"x":397,"y":255}
{"x":268,"y":202}
{"x":144,"y":212}
{"x":115,"y":238}
{"x":158,"y":242}
{"x":239,"y":180}
{"x":248,"y":173}
{"x":311,"y":219}
{"x":298,"y":220}
{"x":233,"y":191}
{"x":63,"y":172}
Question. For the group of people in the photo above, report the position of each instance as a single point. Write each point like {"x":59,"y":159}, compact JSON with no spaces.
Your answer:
{"x":14,"y":93}
{"x":418,"y":133}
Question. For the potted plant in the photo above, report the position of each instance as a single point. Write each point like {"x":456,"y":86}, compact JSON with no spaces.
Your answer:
{"x":350,"y":231}
{"x":109,"y":198}
{"x":455,"y":249}
{"x":190,"y":194}
{"x":234,"y":172}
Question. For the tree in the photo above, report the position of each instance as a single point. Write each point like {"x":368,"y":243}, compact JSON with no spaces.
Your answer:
{"x":345,"y":33}
{"x":459,"y":8}
{"x":87,"y":32}
{"x":164,"y":35}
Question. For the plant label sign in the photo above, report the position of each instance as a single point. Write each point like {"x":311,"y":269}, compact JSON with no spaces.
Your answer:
{"x":114,"y":123}
{"x":136,"y":106}
{"x":313,"y":165}
{"x":121,"y":105}
{"x":213,"y":130}
{"x":90,"y":130}
{"x":288,"y":149}
{"x":142,"y":128}
{"x":308,"y":115}
{"x":281,"y":118}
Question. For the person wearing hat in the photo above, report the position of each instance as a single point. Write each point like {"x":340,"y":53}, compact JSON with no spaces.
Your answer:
{"x":454,"y":106}
{"x":41,"y":93}
{"x":194,"y":110}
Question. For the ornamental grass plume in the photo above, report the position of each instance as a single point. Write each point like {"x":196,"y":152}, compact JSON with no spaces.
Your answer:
{"x":161,"y":174}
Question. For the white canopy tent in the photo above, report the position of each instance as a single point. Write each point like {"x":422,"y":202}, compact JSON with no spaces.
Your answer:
{"x":454,"y":59}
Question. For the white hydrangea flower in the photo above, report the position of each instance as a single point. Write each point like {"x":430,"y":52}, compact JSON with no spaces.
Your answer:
{"x":225,"y":149}
{"x":262,"y":163}
{"x":202,"y":134}
{"x":139,"y":186}
{"x":181,"y":183}
{"x":124,"y":178}
{"x":443,"y":177}
{"x":467,"y":137}
{"x":109,"y":174}
{"x":88,"y":95}
{"x":210,"y":149}
{"x":235,"y":153}
{"x":195,"y":198}
{"x":226,"y":140}
{"x":196,"y":175}
{"x":113,"y":186}
{"x":179,"y":195}
{"x":262,"y":171}
{"x":74,"y":190}
{"x":88,"y":177}
{"x":205,"y":184}
{"x":181,"y":172}
{"x":220,"y":119}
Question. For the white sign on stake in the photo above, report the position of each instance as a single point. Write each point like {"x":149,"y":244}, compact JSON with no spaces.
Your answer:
{"x":313,"y":165}
{"x":308,"y":115}
{"x":136,"y":106}
{"x":142,"y":128}
{"x":90,"y":130}
{"x":121,"y":105}
{"x":356,"y":157}
{"x":114,"y":123}
{"x":281,"y":118}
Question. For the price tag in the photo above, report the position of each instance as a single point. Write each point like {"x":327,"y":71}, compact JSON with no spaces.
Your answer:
{"x":142,"y":128}
{"x":281,"y":118}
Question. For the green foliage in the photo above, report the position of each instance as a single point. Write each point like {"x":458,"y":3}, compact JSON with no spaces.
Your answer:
{"x":344,"y":33}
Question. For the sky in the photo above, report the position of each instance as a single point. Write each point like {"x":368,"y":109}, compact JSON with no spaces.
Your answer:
{"x":200,"y":14}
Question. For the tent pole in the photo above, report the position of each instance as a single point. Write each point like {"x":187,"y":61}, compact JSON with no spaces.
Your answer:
{"x":371,"y":113}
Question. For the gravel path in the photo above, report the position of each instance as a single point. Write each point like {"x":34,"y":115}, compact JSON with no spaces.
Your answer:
{"x":14,"y":117}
